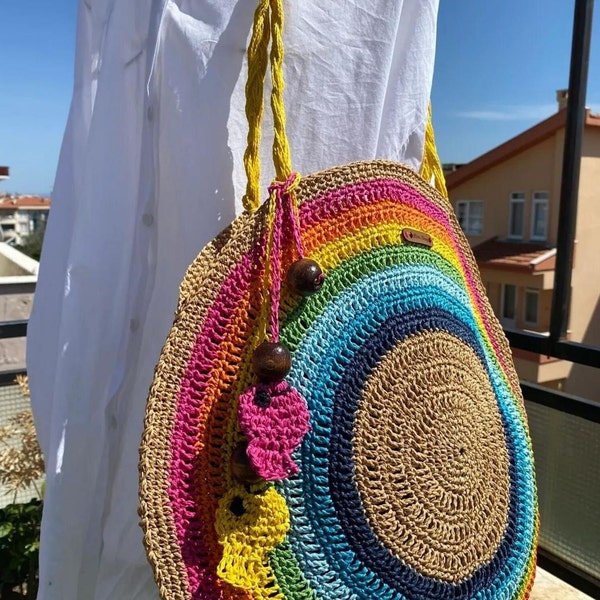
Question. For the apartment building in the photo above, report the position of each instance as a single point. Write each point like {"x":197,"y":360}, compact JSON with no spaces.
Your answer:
{"x":507,"y":203}
{"x":21,"y":216}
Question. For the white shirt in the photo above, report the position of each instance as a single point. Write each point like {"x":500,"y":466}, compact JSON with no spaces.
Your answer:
{"x":150,"y":170}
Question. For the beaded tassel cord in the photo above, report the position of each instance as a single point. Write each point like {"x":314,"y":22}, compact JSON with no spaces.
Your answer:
{"x":272,"y":415}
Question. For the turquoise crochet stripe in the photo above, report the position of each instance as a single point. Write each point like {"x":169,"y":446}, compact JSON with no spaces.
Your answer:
{"x":315,"y":523}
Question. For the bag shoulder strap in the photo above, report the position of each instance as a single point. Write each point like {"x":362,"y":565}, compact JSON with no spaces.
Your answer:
{"x":268,"y":29}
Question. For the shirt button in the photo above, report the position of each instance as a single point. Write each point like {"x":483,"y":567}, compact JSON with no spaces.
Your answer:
{"x":147,"y":219}
{"x":150,"y":113}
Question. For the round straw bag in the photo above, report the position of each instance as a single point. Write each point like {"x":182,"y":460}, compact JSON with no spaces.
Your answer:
{"x":335,"y":414}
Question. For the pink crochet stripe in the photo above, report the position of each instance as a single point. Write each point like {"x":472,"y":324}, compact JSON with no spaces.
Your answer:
{"x":194,"y":538}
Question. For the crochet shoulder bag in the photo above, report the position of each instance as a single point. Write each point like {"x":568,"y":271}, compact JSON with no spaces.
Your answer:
{"x":335,"y":414}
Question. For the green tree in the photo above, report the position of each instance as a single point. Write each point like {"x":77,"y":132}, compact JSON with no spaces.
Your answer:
{"x":32,"y":244}
{"x":19,"y":549}
{"x":21,"y":467}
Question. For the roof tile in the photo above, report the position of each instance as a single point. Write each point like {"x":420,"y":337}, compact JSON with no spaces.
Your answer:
{"x":515,"y":256}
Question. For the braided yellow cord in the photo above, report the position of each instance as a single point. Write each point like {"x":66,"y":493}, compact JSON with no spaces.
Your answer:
{"x":281,"y":149}
{"x":431,"y":166}
{"x":268,"y":23}
{"x":268,"y":26}
{"x":257,"y":68}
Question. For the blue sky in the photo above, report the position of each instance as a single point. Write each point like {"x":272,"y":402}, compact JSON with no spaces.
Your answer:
{"x":498,"y":66}
{"x":36,"y":82}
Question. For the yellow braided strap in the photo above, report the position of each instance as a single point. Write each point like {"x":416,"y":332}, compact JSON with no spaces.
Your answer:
{"x":431,"y":167}
{"x":268,"y":27}
{"x":282,"y":158}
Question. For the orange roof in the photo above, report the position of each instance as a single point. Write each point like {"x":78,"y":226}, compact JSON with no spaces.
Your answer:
{"x":23,"y":202}
{"x":530,"y":137}
{"x":515,"y":256}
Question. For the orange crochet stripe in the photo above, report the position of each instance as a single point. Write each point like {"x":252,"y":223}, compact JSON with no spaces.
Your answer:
{"x":213,"y":425}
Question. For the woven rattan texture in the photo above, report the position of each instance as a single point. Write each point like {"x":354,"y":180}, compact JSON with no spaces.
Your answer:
{"x":416,"y":479}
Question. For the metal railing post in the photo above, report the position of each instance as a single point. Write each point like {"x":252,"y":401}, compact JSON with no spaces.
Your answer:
{"x":569,"y":191}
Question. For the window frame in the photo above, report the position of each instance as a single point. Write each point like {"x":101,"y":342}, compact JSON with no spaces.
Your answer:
{"x":516,"y":198}
{"x":534,"y":202}
{"x":467,"y":229}
{"x":535,"y":292}
{"x":503,"y":318}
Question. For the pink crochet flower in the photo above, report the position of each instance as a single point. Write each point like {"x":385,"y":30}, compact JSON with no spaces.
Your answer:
{"x":274,"y":418}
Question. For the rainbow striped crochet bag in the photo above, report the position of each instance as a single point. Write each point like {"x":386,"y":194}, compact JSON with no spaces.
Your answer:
{"x":335,"y":414}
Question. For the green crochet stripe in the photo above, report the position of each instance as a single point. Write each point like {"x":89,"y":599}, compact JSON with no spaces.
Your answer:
{"x":290,"y":579}
{"x":299,"y":319}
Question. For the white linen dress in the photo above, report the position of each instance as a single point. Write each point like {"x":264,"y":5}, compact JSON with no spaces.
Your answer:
{"x":150,"y":170}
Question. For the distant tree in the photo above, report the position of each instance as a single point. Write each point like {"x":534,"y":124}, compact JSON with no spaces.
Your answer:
{"x":21,"y":468}
{"x":32,"y":244}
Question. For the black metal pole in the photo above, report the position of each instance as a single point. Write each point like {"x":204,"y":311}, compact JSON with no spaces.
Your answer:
{"x":569,"y":190}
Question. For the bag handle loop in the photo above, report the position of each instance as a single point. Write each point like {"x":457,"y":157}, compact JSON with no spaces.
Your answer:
{"x":431,"y":167}
{"x":267,"y":28}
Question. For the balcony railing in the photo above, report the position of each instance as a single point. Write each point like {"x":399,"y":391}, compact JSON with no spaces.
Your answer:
{"x":9,"y":330}
{"x":565,"y":430}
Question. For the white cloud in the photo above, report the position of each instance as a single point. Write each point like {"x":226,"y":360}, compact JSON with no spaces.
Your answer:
{"x":511,"y":113}
{"x":523,"y":112}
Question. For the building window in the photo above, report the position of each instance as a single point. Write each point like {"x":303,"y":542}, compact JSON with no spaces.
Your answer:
{"x":531,"y":307}
{"x":470,"y":216}
{"x":539,"y":216}
{"x":517,"y":215}
{"x":509,"y":303}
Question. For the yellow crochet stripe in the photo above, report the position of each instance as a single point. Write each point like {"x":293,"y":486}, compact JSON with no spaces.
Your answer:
{"x":329,"y":256}
{"x":431,"y":167}
{"x":268,"y":26}
{"x":248,"y":539}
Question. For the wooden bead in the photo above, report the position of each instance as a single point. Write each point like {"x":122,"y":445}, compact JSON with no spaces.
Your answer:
{"x":241,"y":469}
{"x":305,"y":277}
{"x":271,"y":362}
